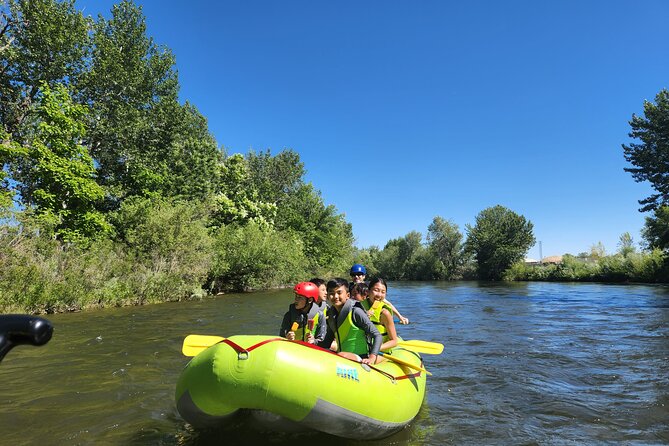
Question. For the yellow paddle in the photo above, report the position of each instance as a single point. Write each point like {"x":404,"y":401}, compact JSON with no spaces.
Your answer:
{"x":194,"y":344}
{"x":403,"y":362}
{"x":430,"y":348}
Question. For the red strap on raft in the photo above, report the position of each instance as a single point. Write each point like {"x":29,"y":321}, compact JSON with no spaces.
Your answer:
{"x":242,"y":353}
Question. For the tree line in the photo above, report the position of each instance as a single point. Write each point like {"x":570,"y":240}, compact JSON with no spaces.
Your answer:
{"x":113,"y":192}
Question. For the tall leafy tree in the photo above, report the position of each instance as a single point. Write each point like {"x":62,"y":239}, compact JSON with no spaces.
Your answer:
{"x":276,"y":177}
{"x":145,"y":142}
{"x":445,"y":243}
{"x":56,"y":173}
{"x":625,"y":244}
{"x":327,"y":236}
{"x":40,"y":41}
{"x":403,"y":258}
{"x":656,"y":229}
{"x":499,"y":238}
{"x":279,"y":179}
{"x":650,"y":156}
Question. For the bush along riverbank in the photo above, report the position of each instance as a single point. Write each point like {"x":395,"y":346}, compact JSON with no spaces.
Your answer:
{"x":643,"y":267}
{"x":166,"y":252}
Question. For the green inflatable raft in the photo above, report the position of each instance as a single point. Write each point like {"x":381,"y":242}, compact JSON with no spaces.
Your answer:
{"x":288,"y":386}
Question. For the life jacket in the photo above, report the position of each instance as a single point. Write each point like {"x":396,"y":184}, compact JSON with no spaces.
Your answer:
{"x":376,"y":316}
{"x":349,"y":337}
{"x":304,"y":327}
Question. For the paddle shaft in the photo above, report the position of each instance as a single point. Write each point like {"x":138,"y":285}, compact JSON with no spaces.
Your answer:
{"x":403,"y":362}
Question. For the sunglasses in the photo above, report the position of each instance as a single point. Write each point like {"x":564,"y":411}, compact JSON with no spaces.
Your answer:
{"x":357,"y":274}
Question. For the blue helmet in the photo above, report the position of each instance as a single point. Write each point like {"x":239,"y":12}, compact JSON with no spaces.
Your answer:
{"x":358,"y":268}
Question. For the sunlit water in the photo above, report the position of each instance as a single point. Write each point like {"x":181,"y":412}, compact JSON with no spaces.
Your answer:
{"x":527,"y":364}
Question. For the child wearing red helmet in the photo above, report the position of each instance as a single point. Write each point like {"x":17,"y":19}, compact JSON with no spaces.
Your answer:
{"x":304,"y":320}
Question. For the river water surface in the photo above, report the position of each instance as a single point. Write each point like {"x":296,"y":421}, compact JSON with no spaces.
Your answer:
{"x":524,"y":363}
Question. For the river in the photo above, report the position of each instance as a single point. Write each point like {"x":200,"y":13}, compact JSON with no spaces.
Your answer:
{"x":524,"y":363}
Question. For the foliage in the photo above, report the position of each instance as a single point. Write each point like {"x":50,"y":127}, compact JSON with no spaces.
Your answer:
{"x":237,"y":201}
{"x":255,"y":256}
{"x":93,"y":133}
{"x":56,"y":174}
{"x":446,"y":246}
{"x":327,"y":237}
{"x":634,"y":267}
{"x":275,"y":178}
{"x":499,"y":238}
{"x":144,"y":141}
{"x":650,"y":157}
{"x":42,"y":41}
{"x":656,"y":229}
{"x":367,"y":257}
{"x":399,"y":258}
{"x":626,"y":244}
{"x":597,"y":251}
{"x":167,"y":236}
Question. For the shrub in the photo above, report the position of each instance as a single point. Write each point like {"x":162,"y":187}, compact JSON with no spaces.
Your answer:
{"x":253,"y":256}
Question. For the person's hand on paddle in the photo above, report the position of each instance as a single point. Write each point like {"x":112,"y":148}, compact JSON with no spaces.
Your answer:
{"x":311,"y":339}
{"x":370,"y":360}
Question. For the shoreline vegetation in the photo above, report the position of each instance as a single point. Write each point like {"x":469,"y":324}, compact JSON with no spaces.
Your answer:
{"x":114,"y":193}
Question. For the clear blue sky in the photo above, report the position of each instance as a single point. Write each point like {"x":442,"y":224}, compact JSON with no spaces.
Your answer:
{"x":402,"y":111}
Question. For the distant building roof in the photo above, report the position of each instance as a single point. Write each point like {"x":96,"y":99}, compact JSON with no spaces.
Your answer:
{"x":530,"y":260}
{"x":552,"y":259}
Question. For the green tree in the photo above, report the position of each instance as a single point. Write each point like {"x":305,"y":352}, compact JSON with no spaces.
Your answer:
{"x":403,"y":258}
{"x":56,"y":173}
{"x":145,"y":142}
{"x":656,"y":229}
{"x":40,"y":41}
{"x":626,"y":244}
{"x":597,"y":251}
{"x":327,"y":237}
{"x":650,"y":157}
{"x":445,"y":244}
{"x":499,"y":238}
{"x":237,"y":201}
{"x":255,"y":256}
{"x":275,"y":177}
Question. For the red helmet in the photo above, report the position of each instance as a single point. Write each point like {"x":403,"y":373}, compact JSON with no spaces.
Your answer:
{"x":308,"y":290}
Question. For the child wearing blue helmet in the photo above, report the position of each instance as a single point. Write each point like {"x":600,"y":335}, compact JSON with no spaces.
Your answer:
{"x":358,"y":274}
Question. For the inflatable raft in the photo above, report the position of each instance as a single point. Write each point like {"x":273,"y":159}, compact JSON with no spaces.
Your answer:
{"x":290,"y":386}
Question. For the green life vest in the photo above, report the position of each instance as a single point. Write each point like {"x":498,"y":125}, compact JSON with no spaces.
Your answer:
{"x":349,"y":337}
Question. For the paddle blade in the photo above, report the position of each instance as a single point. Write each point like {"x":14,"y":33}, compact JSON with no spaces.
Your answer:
{"x":430,"y":348}
{"x":403,"y":362}
{"x":194,"y":344}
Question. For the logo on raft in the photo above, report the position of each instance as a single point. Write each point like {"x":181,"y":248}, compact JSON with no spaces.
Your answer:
{"x":347,"y":372}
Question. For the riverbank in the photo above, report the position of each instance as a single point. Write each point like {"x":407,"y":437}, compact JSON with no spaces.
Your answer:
{"x":644,"y":267}
{"x":160,"y":261}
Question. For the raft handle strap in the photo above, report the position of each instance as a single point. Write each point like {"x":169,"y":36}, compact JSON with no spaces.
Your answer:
{"x":242,"y":353}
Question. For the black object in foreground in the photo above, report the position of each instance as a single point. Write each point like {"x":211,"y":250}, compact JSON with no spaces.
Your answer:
{"x":17,"y":329}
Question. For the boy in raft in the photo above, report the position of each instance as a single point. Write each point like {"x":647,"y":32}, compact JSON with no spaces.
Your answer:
{"x":304,"y":319}
{"x":358,"y":274}
{"x":322,"y":293}
{"x":349,"y":325}
{"x":359,"y":291}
